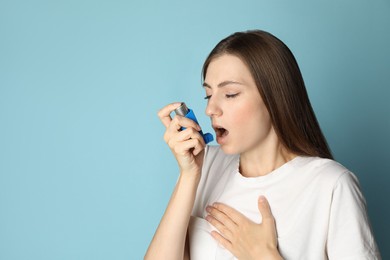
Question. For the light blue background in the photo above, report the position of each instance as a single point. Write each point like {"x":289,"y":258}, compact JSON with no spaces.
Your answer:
{"x":84,"y":171}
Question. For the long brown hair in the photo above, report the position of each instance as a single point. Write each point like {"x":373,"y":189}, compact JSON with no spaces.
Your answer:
{"x":281,"y":86}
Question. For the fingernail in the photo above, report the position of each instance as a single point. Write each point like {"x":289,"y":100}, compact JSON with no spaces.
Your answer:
{"x":261,"y":199}
{"x":208,"y":208}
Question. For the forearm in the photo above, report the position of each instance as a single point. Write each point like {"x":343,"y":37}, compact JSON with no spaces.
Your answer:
{"x":169,"y":239}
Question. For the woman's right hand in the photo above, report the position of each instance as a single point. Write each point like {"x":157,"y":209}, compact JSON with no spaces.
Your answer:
{"x":186,"y":145}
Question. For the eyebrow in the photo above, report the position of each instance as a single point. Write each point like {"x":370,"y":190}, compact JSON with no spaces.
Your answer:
{"x":222,"y":84}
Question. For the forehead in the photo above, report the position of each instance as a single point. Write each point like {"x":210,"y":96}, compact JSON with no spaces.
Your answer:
{"x":227,"y":67}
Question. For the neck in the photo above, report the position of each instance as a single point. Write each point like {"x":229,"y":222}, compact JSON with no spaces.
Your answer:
{"x":260,"y":162}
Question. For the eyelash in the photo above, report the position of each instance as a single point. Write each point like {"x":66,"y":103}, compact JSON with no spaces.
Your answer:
{"x":231,"y":95}
{"x":227,"y":96}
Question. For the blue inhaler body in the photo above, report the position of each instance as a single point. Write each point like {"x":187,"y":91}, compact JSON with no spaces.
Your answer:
{"x":183,"y":110}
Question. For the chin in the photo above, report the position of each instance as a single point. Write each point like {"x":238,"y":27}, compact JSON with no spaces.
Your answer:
{"x":229,"y":150}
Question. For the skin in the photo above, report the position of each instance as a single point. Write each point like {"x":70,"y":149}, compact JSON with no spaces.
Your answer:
{"x":169,"y":241}
{"x":242,"y":237}
{"x":235,"y":104}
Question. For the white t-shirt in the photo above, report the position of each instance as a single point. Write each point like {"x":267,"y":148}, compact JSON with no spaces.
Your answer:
{"x":317,"y":204}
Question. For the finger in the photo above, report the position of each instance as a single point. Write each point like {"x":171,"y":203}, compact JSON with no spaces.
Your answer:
{"x":265,"y":209}
{"x":184,"y":147}
{"x":172,"y":129}
{"x":233,"y":214}
{"x":199,"y":148}
{"x":222,"y":217}
{"x":222,"y":241}
{"x":186,"y":122}
{"x":178,"y":122}
{"x":188,"y":133}
{"x":268,"y":221}
{"x":164,"y":113}
{"x":224,"y":230}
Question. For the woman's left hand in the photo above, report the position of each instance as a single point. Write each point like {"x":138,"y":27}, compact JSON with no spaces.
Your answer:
{"x":245,"y":239}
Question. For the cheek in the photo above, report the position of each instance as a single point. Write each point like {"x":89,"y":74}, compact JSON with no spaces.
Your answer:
{"x":241,"y":114}
{"x":251,"y":117}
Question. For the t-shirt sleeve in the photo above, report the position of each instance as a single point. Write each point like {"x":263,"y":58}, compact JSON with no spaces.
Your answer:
{"x":350,"y":235}
{"x":198,"y":203}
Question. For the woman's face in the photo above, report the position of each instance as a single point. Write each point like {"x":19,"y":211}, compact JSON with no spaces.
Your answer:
{"x":238,"y":114}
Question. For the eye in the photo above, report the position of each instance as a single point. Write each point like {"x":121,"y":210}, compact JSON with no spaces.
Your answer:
{"x":232,"y":95}
{"x":207,"y":97}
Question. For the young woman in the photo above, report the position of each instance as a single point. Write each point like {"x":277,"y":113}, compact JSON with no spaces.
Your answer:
{"x":271,"y":189}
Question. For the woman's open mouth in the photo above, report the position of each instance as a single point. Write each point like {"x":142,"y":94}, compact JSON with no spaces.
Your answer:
{"x":221,"y":133}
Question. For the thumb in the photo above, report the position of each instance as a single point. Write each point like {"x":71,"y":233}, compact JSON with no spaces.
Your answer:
{"x":265,"y":209}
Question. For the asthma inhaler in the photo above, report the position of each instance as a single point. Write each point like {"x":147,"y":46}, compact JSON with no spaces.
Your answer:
{"x":183,"y":110}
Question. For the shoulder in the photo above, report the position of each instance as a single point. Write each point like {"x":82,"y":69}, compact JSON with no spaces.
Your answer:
{"x":328,"y":172}
{"x":321,"y":165}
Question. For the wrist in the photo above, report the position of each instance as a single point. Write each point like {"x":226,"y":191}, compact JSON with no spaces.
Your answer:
{"x":268,"y":255}
{"x":190,"y":176}
{"x":272,"y":256}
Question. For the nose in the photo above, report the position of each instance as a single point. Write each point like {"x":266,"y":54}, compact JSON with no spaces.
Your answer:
{"x":213,"y":109}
